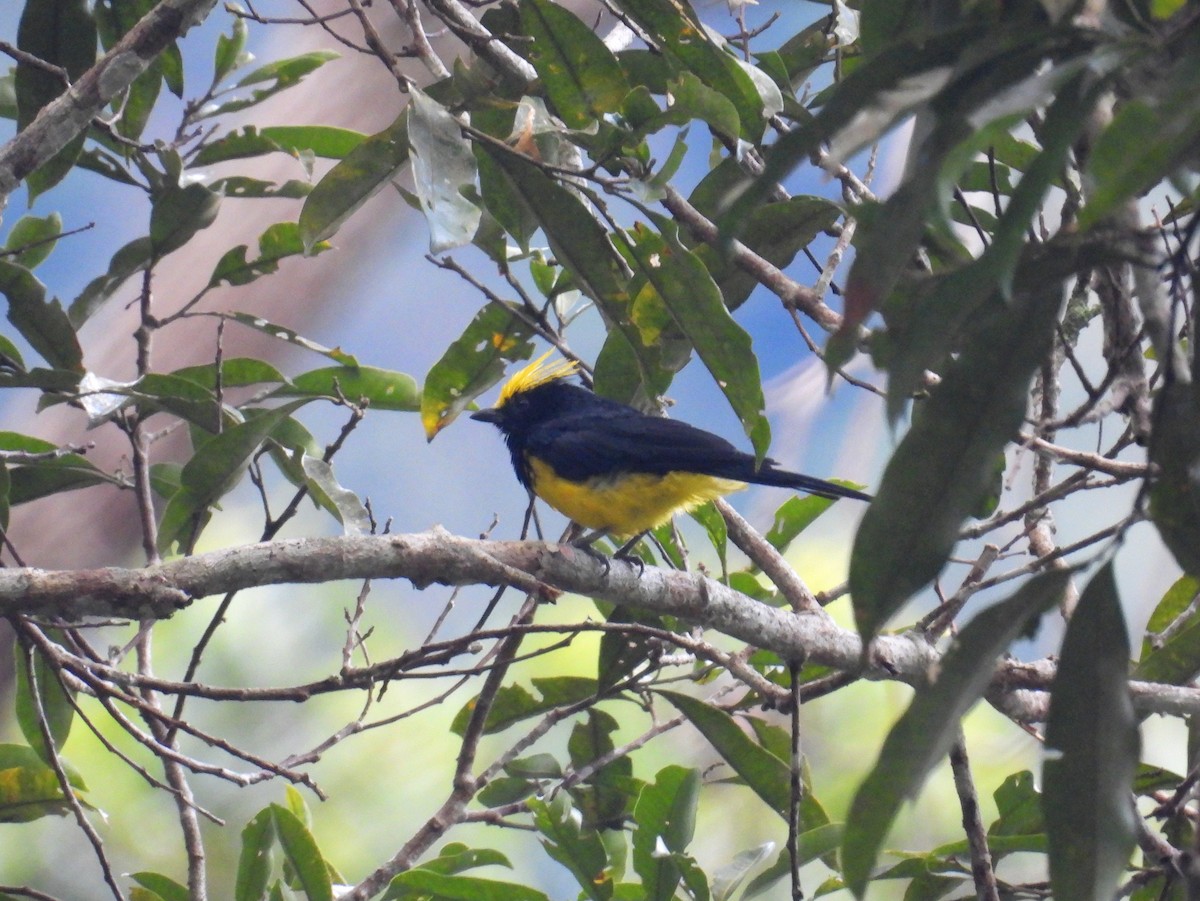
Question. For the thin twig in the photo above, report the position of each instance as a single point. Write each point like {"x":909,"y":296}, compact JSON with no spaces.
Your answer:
{"x":972,"y":822}
{"x":411,"y":14}
{"x":64,"y":782}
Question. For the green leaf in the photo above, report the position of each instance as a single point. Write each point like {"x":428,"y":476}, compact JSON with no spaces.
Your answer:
{"x":29,"y":789}
{"x":214,"y":469}
{"x":245,"y":188}
{"x":806,"y":49}
{"x":678,"y":32}
{"x":12,"y":364}
{"x":283,"y":333}
{"x":473,"y":364}
{"x":776,"y":232}
{"x":621,"y":654}
{"x":137,"y":101}
{"x":603,"y":797}
{"x":1092,"y":750}
{"x":237,"y":145}
{"x":236,"y":372}
{"x":765,"y":773}
{"x":500,"y":199}
{"x":690,"y":99}
{"x":422,"y":883}
{"x":535,"y":766}
{"x":165,"y":478}
{"x":8,"y":96}
{"x":506,"y":790}
{"x":32,"y":239}
{"x":353,"y":181}
{"x":177,"y":214}
{"x":812,"y":844}
{"x":171,"y":61}
{"x":727,"y":879}
{"x":697,"y":308}
{"x":301,"y":851}
{"x":134,"y":257}
{"x":382,"y":388}
{"x":1175,"y":660}
{"x":946,"y":462}
{"x":514,"y":703}
{"x":1165,"y":9}
{"x":5,"y":492}
{"x":54,"y":473}
{"x":860,"y":91}
{"x":794,"y":516}
{"x":178,"y":396}
{"x":52,"y":697}
{"x":716,"y":529}
{"x":348,"y":506}
{"x":577,"y":848}
{"x":641,"y":355}
{"x":287,"y":446}
{"x":579,"y":244}
{"x":324,"y":141}
{"x":162,"y":886}
{"x":581,"y":76}
{"x":230,"y":52}
{"x":62,"y":33}
{"x":1175,"y":493}
{"x":665,"y":814}
{"x":1123,"y":163}
{"x":278,"y":242}
{"x":138,"y":893}
{"x":297,"y":805}
{"x":443,"y":168}
{"x":1019,"y":805}
{"x":278,"y":76}
{"x":926,"y":731}
{"x":101,"y":162}
{"x":889,"y":246}
{"x":456,"y":857}
{"x":42,"y":323}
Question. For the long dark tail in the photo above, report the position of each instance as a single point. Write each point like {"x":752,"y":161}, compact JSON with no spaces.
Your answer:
{"x":770,"y":474}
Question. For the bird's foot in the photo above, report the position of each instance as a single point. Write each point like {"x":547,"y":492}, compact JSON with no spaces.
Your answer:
{"x":626,"y":553}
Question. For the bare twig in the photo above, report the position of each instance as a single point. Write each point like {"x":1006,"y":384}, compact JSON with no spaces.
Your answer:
{"x":769,"y":560}
{"x":972,"y":822}
{"x":411,"y":14}
{"x":460,"y":21}
{"x":64,"y":782}
{"x":787,"y":289}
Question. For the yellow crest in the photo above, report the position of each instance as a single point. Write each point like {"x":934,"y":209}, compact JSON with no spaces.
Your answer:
{"x":536,"y":373}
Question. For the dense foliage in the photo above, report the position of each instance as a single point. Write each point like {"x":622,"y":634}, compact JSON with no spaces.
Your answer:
{"x":1021,"y":301}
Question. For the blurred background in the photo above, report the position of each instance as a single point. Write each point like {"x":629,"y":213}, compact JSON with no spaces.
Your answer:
{"x":375,"y":295}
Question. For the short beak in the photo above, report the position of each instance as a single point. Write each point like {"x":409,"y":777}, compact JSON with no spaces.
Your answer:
{"x":491,"y":414}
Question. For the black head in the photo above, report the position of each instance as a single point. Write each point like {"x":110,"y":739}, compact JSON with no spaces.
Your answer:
{"x":519,"y":413}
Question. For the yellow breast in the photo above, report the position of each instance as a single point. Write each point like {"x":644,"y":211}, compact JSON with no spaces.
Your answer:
{"x":626,"y":504}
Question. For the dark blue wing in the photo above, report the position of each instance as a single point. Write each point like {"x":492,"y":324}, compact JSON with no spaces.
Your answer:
{"x":623,"y":440}
{"x":615,"y":439}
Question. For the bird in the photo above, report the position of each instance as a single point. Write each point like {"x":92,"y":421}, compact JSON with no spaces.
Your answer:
{"x":612,"y":468}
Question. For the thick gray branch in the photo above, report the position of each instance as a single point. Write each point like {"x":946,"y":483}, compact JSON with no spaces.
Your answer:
{"x":62,"y":119}
{"x":438,"y":557}
{"x":468,"y":29}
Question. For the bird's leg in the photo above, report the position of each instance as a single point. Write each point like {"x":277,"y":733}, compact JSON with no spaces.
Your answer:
{"x":585,"y":541}
{"x":532,"y":517}
{"x":625,"y":552}
{"x":582,"y":541}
